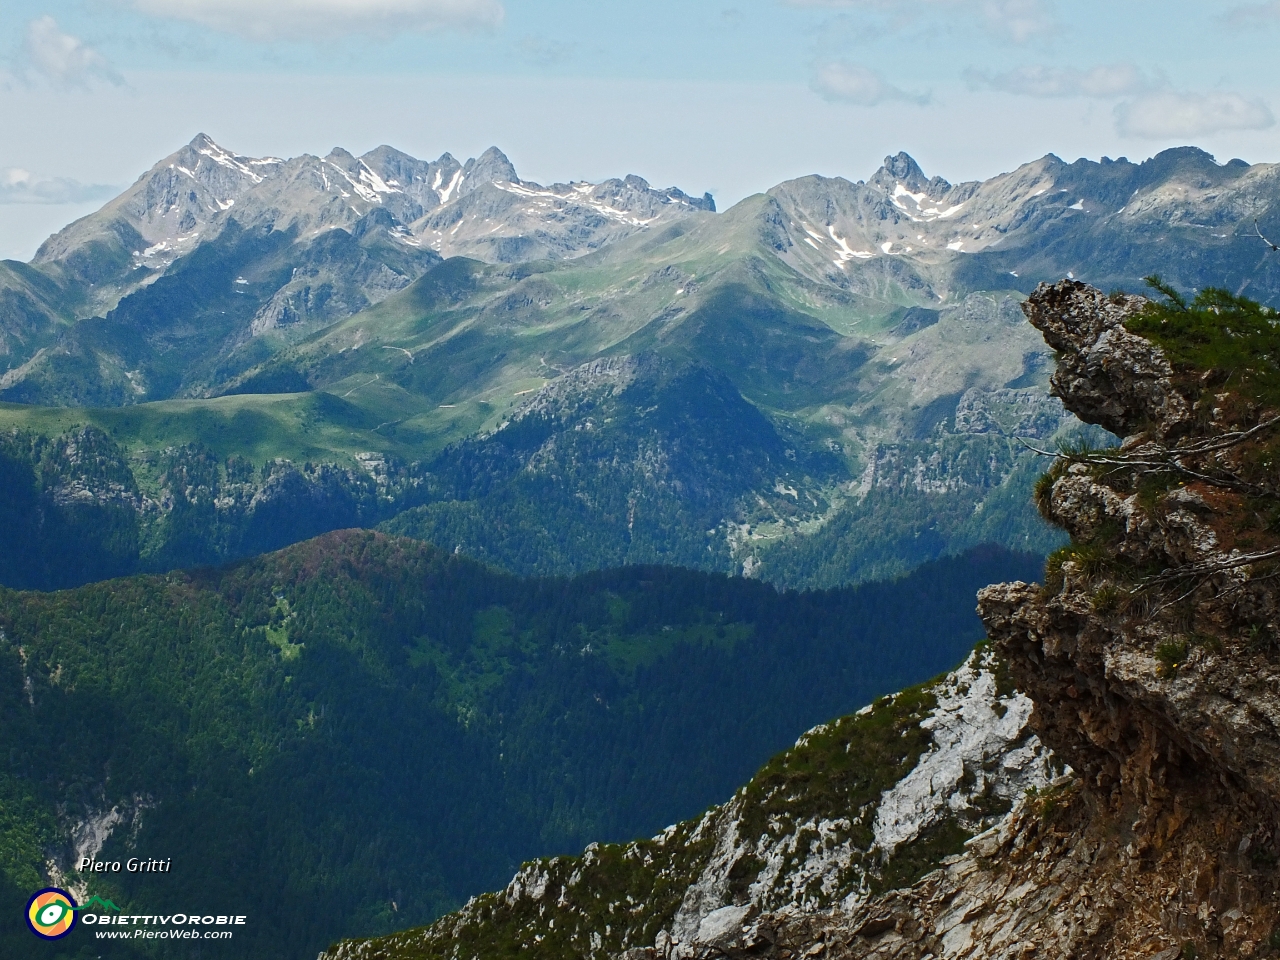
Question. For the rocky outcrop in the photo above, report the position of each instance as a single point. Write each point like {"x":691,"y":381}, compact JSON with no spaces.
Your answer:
{"x":1149,"y":651}
{"x":1106,"y":374}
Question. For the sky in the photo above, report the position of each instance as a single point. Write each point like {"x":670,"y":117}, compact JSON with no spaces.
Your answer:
{"x":725,"y":96}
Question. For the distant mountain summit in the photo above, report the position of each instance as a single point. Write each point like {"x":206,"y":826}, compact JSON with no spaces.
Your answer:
{"x":478,"y":208}
{"x":1041,"y":221}
{"x":210,"y":249}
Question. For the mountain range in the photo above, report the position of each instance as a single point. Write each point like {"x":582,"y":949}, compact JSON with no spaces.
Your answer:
{"x":824,"y":384}
{"x":582,"y":422}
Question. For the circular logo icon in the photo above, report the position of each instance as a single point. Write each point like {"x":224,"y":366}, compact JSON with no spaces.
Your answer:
{"x":51,"y":913}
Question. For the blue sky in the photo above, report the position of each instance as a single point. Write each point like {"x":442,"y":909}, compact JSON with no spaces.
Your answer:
{"x":730,"y":96}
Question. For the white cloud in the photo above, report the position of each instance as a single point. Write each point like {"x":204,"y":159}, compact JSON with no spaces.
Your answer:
{"x":1017,"y":20}
{"x":852,"y":83}
{"x":326,"y":19}
{"x":60,"y":58}
{"x":21,"y":186}
{"x":1167,"y":114}
{"x":1020,"y":20}
{"x":1149,"y":108}
{"x":1114,"y":80}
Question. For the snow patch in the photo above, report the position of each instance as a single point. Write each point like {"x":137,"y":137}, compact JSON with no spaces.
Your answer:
{"x":375,"y":182}
{"x":579,"y":195}
{"x":934,"y":212}
{"x":225,"y":158}
{"x":454,"y":183}
{"x":900,"y":191}
{"x":367,"y":190}
{"x":845,"y":254}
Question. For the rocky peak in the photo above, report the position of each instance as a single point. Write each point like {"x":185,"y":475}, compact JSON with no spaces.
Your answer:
{"x":904,"y":167}
{"x":204,"y":156}
{"x":341,"y":157}
{"x":902,"y":170}
{"x":427,"y":183}
{"x":492,"y":166}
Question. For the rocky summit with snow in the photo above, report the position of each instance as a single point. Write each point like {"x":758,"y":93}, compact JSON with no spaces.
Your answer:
{"x":479,"y":208}
{"x":1099,"y":781}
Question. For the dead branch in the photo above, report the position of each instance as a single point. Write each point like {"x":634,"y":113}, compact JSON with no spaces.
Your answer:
{"x":1261,"y":237}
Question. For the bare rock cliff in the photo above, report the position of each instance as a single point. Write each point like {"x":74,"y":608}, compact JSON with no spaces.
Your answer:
{"x":1150,"y":651}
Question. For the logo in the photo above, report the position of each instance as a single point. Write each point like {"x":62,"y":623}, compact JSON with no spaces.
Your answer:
{"x":51,"y":913}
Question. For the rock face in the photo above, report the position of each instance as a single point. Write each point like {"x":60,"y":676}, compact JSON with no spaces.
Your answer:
{"x":1147,"y":662}
{"x":1148,"y":652}
{"x":1112,"y":377}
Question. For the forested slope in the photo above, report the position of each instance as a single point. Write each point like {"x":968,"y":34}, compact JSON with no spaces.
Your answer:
{"x":374,"y":729}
